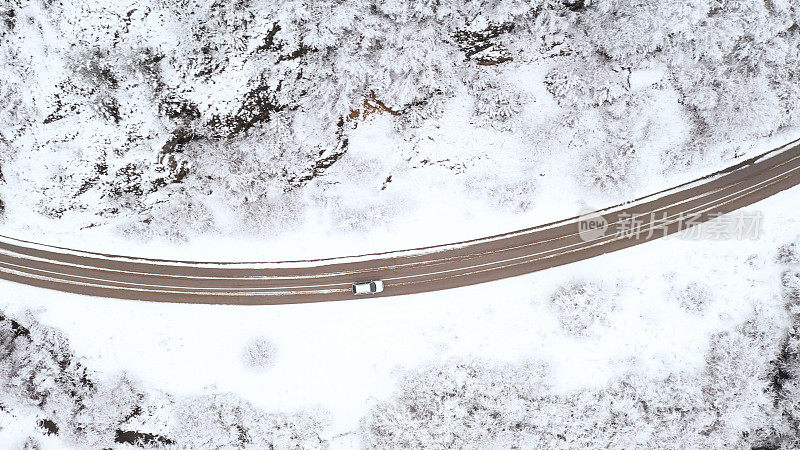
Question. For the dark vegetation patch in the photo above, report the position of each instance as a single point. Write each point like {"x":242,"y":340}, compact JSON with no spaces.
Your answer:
{"x":48,"y":426}
{"x":140,"y":439}
{"x":575,"y":5}
{"x":180,"y":137}
{"x":791,"y":285}
{"x":178,"y":109}
{"x":257,"y":106}
{"x":8,"y":19}
{"x":484,"y":46}
{"x":272,"y":45}
{"x":127,"y":180}
{"x":63,"y":105}
{"x":146,"y":62}
{"x":785,"y":378}
{"x":789,"y":253}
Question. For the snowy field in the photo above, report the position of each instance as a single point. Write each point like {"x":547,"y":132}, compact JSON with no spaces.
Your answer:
{"x":649,"y":314}
{"x":263,"y":131}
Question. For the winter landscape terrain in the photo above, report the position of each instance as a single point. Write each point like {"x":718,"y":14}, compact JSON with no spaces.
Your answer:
{"x":262,"y":131}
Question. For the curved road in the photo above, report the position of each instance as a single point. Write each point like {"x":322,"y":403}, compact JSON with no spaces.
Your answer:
{"x":409,"y":271}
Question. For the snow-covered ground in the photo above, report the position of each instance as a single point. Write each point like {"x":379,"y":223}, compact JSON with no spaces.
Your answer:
{"x":264,"y":131}
{"x":274,"y":134}
{"x":420,"y":207}
{"x":346,"y":357}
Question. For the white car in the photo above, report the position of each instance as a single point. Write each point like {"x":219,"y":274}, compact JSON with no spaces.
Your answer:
{"x":368,"y":287}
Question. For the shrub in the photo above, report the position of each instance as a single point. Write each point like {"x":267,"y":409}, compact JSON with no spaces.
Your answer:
{"x":226,"y":421}
{"x":259,"y":354}
{"x":731,"y":403}
{"x":40,"y":373}
{"x":582,"y":307}
{"x":791,"y":283}
{"x":694,"y":297}
{"x":789,"y":253}
{"x":610,"y":168}
{"x":513,"y":195}
{"x":583,"y":83}
{"x":176,"y":218}
{"x":495,"y":103}
{"x":461,"y":404}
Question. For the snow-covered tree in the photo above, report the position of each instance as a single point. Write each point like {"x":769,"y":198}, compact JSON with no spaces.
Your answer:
{"x":583,"y":307}
{"x":227,"y":421}
{"x":41,"y":375}
{"x":694,"y":297}
{"x":259,"y":354}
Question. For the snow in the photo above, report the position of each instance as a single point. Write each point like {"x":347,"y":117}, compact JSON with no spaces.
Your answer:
{"x":15,"y":431}
{"x":421,"y":231}
{"x":499,"y":150}
{"x":642,"y":78}
{"x":344,"y":355}
{"x":589,"y":106}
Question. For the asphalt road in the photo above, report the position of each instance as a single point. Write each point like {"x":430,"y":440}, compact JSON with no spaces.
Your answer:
{"x":409,"y":271}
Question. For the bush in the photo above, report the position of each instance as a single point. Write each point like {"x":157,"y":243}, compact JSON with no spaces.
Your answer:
{"x":259,"y":354}
{"x":786,"y":382}
{"x":610,"y":169}
{"x":512,"y":195}
{"x":176,"y":218}
{"x":791,"y":283}
{"x":582,"y":307}
{"x":359,"y":217}
{"x":789,"y":253}
{"x":461,"y":404}
{"x":226,"y":421}
{"x":732,"y":403}
{"x":583,"y":83}
{"x":40,"y":373}
{"x":495,"y":104}
{"x":694,"y":298}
